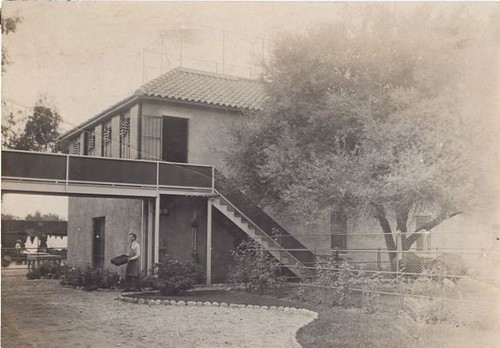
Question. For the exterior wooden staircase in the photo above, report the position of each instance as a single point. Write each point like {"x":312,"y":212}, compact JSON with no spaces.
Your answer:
{"x":273,"y":238}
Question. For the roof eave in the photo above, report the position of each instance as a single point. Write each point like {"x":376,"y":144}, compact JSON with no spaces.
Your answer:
{"x":96,"y":119}
{"x":199,"y":104}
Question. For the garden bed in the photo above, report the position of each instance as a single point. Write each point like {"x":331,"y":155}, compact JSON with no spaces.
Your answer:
{"x":220,"y":296}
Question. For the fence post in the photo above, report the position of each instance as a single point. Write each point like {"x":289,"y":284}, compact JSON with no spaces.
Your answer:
{"x":398,"y":252}
{"x":379,"y":259}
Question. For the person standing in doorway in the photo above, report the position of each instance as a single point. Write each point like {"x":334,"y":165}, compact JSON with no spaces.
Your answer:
{"x":133,"y":267}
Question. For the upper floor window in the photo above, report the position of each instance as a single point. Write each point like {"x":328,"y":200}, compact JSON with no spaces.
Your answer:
{"x":106,"y":140}
{"x":124,"y":137}
{"x":151,"y":137}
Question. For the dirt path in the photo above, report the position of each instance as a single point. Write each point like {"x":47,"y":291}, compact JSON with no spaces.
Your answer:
{"x":41,"y":313}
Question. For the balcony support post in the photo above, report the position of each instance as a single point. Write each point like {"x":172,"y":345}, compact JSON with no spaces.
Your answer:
{"x":209,"y":241}
{"x":157,"y":230}
{"x":149,"y":237}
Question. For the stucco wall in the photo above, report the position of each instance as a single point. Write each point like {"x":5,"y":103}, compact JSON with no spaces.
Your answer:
{"x":175,"y":227}
{"x":176,"y":234}
{"x":208,"y":135}
{"x":122,"y":216}
{"x":225,"y":237}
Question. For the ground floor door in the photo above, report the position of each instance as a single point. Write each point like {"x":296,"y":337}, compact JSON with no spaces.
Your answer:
{"x":98,"y":242}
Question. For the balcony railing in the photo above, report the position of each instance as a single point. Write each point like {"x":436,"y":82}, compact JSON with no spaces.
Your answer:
{"x":111,"y":172}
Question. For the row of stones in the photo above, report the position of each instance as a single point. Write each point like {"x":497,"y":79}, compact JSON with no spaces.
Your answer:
{"x":152,"y":302}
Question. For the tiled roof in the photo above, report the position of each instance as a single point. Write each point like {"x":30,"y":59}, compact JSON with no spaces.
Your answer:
{"x":207,"y":88}
{"x":194,"y":86}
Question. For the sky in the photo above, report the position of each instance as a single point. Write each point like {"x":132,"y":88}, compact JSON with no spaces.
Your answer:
{"x":85,"y":56}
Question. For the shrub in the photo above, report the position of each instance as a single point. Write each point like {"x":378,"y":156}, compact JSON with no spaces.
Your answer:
{"x":34,"y":273}
{"x":335,"y":283}
{"x":254,"y":267}
{"x":90,"y":278}
{"x":426,"y":299}
{"x":47,"y":271}
{"x":170,"y":277}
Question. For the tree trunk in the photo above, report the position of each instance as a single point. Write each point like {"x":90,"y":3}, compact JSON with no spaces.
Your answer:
{"x":380,"y":215}
{"x":402,"y":214}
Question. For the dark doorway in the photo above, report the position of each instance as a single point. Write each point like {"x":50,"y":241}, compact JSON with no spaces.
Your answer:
{"x":98,"y":243}
{"x":175,"y":139}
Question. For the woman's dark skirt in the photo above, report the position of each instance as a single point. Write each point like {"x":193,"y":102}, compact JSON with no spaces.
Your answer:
{"x":133,"y":268}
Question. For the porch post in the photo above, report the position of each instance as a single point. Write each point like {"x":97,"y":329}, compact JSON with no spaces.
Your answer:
{"x":209,"y":241}
{"x":150,"y":236}
{"x":157,"y":230}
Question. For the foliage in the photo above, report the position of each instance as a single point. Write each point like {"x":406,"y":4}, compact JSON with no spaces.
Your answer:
{"x":40,"y":132}
{"x":253,"y":266}
{"x":47,"y":271}
{"x":375,"y":118}
{"x":33,"y":274}
{"x":90,"y":278}
{"x":426,"y":299}
{"x":10,"y":217}
{"x":171,"y":277}
{"x":37,"y":216}
{"x":335,"y":284}
{"x":9,"y":25}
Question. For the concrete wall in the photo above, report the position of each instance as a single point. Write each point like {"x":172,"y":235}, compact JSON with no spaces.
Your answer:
{"x":122,"y":216}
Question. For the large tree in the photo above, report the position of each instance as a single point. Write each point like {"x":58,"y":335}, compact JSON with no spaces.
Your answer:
{"x":383,"y":114}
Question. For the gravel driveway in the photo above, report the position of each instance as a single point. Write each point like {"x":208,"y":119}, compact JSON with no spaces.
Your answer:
{"x":41,"y":313}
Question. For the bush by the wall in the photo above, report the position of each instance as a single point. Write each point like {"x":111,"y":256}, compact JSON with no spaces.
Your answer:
{"x":171,"y":277}
{"x":90,"y":278}
{"x":47,"y":271}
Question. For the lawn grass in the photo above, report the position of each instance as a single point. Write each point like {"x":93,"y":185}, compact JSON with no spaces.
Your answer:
{"x":339,"y":327}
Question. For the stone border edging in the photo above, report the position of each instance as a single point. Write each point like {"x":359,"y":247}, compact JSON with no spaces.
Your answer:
{"x":180,"y":303}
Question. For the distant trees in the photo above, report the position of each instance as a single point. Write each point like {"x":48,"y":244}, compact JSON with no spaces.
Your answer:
{"x":9,"y":217}
{"x":383,"y":114}
{"x":37,"y":216}
{"x":40,"y":131}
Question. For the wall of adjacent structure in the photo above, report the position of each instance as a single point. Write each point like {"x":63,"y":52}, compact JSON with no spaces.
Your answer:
{"x":122,"y":216}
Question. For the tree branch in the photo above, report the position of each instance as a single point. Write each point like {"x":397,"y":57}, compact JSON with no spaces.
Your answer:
{"x":427,"y":227}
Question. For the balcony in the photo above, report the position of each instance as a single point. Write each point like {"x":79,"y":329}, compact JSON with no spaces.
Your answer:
{"x":33,"y":172}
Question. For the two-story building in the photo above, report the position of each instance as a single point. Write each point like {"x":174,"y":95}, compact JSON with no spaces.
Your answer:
{"x":181,"y":119}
